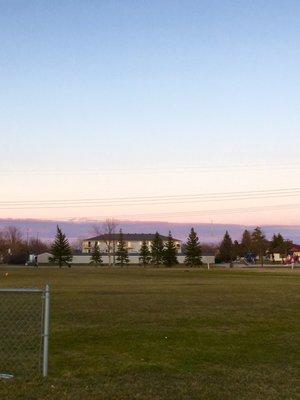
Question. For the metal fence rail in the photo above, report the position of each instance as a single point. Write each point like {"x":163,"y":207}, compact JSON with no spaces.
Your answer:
{"x":24,"y":331}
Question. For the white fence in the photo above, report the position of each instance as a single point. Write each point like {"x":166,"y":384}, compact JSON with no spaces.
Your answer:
{"x":133,"y":259}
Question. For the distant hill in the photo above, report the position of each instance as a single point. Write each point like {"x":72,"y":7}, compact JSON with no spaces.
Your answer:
{"x":208,"y":233}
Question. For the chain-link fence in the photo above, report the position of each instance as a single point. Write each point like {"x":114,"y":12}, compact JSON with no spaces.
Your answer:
{"x":24,"y":331}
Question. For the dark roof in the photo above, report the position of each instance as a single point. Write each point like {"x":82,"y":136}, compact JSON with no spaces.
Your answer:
{"x":130,"y":237}
{"x":131,"y":254}
{"x":295,"y":247}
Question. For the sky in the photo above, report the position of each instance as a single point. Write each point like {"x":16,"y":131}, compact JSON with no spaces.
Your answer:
{"x":108,"y":100}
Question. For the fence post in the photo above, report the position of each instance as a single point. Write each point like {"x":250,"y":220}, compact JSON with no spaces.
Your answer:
{"x":46,"y":331}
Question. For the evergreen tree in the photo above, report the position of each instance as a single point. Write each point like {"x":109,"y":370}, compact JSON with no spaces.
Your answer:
{"x":122,"y":252}
{"x":169,"y":253}
{"x":145,"y":255}
{"x":259,"y":243}
{"x":157,"y":250}
{"x":61,"y":250}
{"x":226,"y":249}
{"x":276,"y":243}
{"x":96,"y":258}
{"x":280,"y":245}
{"x":246,"y":243}
{"x":193,"y":250}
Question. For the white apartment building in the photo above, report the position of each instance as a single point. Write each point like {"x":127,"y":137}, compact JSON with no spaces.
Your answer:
{"x":133,"y":242}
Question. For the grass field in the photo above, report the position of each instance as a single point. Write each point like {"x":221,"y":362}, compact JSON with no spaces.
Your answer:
{"x":166,"y":334}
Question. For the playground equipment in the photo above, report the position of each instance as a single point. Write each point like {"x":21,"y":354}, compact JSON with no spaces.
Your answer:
{"x":32,"y":260}
{"x":250,"y":258}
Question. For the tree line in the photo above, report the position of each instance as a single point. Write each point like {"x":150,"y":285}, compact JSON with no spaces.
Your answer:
{"x":158,"y":253}
{"x":15,"y":249}
{"x":254,"y":242}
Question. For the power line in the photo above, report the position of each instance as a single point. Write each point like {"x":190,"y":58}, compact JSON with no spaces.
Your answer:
{"x":151,"y":200}
{"x":183,"y":196}
{"x":192,"y":213}
{"x":227,"y":211}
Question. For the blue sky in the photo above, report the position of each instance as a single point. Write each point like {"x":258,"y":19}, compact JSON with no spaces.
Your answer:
{"x":89,"y":88}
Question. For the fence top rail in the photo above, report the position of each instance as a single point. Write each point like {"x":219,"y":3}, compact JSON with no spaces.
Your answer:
{"x":30,"y":290}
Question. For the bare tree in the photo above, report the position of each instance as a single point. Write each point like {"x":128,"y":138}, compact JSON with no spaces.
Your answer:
{"x":77,"y":244}
{"x":97,"y":230}
{"x":109,"y":229}
{"x":14,"y":240}
{"x":3,"y":247}
{"x":17,"y":248}
{"x":13,"y":235}
{"x":37,"y":246}
{"x":14,"y":249}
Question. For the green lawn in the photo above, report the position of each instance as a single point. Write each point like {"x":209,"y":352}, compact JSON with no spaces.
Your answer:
{"x":166,"y":334}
